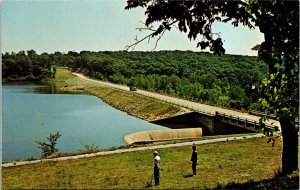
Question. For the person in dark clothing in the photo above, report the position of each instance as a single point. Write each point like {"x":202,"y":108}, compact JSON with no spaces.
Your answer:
{"x":194,"y":159}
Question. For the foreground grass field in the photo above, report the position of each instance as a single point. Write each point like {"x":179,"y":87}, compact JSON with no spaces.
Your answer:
{"x":228,"y":164}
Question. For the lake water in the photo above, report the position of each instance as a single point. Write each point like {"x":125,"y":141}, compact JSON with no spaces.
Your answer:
{"x":30,"y":114}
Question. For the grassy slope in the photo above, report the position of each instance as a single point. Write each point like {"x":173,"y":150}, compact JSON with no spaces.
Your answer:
{"x":220,"y":165}
{"x":135,"y":104}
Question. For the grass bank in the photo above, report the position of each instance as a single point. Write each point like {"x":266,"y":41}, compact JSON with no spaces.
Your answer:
{"x":248,"y":163}
{"x":134,"y":104}
{"x":140,"y":106}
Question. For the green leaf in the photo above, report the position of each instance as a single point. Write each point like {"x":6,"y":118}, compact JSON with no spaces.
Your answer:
{"x":265,"y":82}
{"x":272,"y":76}
{"x":285,"y":109}
{"x":275,"y":90}
{"x":264,"y":102}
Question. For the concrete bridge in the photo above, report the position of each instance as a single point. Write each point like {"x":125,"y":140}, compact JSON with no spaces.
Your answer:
{"x":213,"y":120}
{"x":218,"y":124}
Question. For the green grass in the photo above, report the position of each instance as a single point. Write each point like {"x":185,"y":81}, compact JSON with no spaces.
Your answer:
{"x":64,"y":77}
{"x":227,"y":164}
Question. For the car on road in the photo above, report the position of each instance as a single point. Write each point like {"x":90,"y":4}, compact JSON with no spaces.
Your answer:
{"x":132,"y":88}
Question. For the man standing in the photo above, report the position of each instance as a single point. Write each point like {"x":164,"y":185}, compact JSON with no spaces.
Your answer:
{"x":194,"y":159}
{"x":156,"y":167}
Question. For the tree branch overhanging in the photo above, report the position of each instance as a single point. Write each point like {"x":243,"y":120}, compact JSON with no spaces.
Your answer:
{"x":159,"y":31}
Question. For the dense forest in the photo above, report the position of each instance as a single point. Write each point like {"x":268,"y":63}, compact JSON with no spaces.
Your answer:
{"x":224,"y":81}
{"x":26,"y":66}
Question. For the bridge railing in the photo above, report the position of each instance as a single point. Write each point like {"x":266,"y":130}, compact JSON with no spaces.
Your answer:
{"x":244,"y":122}
{"x":262,"y":114}
{"x":226,"y":117}
{"x":176,"y":103}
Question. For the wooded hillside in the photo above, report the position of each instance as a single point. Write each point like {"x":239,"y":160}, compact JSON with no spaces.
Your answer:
{"x":224,"y":81}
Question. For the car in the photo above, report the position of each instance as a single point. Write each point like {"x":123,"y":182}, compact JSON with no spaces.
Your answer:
{"x":132,"y":88}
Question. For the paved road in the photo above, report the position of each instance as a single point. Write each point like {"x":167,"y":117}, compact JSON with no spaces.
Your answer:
{"x":12,"y":164}
{"x":203,"y":108}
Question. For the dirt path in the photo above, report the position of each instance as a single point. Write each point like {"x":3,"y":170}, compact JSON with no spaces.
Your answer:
{"x":203,"y":108}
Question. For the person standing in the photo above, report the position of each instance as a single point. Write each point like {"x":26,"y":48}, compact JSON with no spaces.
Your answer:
{"x":156,"y":164}
{"x":194,"y":159}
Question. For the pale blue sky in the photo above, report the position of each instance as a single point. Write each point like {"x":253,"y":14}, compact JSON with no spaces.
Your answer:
{"x":97,"y":25}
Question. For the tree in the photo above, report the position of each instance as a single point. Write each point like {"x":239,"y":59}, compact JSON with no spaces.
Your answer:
{"x":54,"y":72}
{"x":278,"y":20}
{"x":49,"y":148}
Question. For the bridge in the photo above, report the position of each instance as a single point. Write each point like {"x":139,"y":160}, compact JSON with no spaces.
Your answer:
{"x":214,"y":118}
{"x":218,"y":124}
{"x":194,"y":125}
{"x":211,"y":118}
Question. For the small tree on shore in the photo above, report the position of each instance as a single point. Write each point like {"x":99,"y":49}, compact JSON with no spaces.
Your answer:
{"x":49,"y":148}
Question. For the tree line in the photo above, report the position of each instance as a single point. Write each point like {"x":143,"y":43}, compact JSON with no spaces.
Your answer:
{"x":26,"y":66}
{"x":226,"y":81}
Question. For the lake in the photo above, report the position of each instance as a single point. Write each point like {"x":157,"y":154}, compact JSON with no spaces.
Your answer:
{"x":32,"y":112}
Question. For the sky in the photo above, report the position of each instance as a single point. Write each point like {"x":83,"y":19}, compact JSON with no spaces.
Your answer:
{"x":98,"y":25}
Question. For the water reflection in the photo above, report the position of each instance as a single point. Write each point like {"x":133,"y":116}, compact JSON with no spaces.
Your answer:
{"x":40,"y":88}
